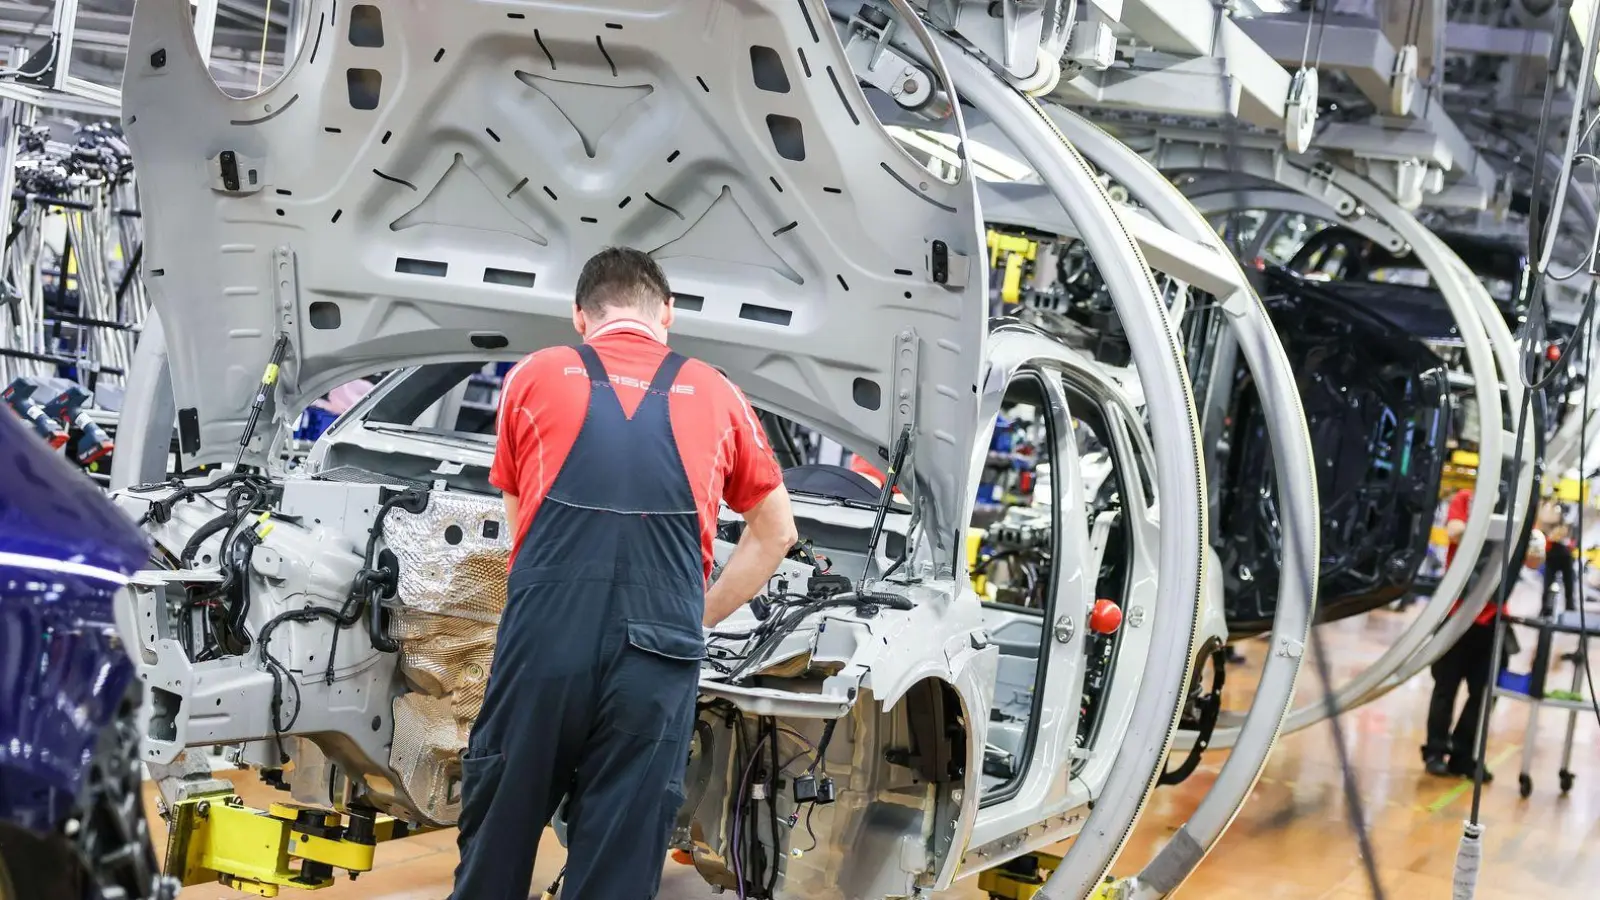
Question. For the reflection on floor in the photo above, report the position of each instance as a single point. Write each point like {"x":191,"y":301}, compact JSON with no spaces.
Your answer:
{"x":1293,"y":840}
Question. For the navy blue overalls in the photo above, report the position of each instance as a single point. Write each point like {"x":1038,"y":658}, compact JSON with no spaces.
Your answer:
{"x":592,"y":692}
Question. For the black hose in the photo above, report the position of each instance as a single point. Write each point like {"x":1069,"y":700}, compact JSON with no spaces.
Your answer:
{"x":203,"y":533}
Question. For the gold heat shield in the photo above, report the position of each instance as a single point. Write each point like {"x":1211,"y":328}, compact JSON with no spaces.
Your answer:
{"x":446,"y":612}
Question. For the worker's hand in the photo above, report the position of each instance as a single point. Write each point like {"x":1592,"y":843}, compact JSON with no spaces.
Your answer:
{"x":1536,"y":550}
{"x":769,"y":532}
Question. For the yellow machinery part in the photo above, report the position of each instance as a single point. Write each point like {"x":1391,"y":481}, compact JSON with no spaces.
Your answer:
{"x":1016,"y":251}
{"x":1008,"y":883}
{"x":1011,"y":282}
{"x":1570,"y":490}
{"x":215,"y":837}
{"x":980,"y":583}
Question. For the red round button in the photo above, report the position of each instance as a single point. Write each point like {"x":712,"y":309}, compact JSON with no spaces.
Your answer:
{"x":1106,"y":617}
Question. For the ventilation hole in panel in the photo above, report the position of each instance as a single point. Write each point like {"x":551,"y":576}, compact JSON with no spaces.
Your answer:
{"x":386,"y":177}
{"x":832,"y":190}
{"x":766,"y":66}
{"x":325,"y":316}
{"x":433,"y":268}
{"x":386,"y":136}
{"x":438,"y":56}
{"x":703,"y":85}
{"x":624,"y":203}
{"x":489,"y":340}
{"x":674,"y":156}
{"x":688,"y":302}
{"x":765,"y":314}
{"x":550,"y":192}
{"x":786,"y":229}
{"x":805,"y":64}
{"x":867,"y":393}
{"x":490,"y":132}
{"x":366,"y":26}
{"x":839,"y":89}
{"x":538,"y":39}
{"x":805,"y":10}
{"x":906,"y":272}
{"x":588,"y":219}
{"x":332,"y":130}
{"x":842,"y":283}
{"x":614,"y":26}
{"x":517,"y":187}
{"x":336,"y":214}
{"x":508,"y":277}
{"x":364,"y":87}
{"x":663,"y":206}
{"x":602,"y":45}
{"x":788,"y":138}
{"x":775,"y":183}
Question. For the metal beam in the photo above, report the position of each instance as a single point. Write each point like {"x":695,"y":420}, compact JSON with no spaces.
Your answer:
{"x":1487,"y":40}
{"x":1199,"y":63}
{"x":1359,"y":49}
{"x":1354,"y":46}
{"x":58,"y":100}
{"x":1241,"y":80}
{"x":1185,"y":27}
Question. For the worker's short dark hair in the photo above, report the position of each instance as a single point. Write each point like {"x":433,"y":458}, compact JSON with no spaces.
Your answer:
{"x":621,"y":276}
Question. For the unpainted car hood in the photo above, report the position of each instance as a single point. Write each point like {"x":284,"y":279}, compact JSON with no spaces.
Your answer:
{"x":433,"y":199}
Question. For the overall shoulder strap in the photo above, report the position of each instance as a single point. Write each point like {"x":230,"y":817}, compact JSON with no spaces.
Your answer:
{"x":591,"y":362}
{"x":667,"y":372}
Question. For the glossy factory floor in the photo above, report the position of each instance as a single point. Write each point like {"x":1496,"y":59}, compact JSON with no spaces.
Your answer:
{"x":1292,"y":840}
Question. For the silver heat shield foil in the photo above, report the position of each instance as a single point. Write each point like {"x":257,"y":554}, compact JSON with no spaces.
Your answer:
{"x":451,"y":590}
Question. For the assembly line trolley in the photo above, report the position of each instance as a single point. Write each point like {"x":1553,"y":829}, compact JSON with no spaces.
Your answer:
{"x":1530,"y":687}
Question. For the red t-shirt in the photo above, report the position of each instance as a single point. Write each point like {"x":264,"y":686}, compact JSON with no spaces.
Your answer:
{"x":1460,"y":504}
{"x":545,"y":397}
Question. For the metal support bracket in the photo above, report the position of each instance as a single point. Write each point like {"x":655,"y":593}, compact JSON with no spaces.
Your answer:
{"x":877,"y":62}
{"x":234,"y":173}
{"x":904,"y":410}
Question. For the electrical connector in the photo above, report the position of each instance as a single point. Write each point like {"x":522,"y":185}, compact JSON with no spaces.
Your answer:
{"x":805,"y":788}
{"x":826,"y":791}
{"x":760,"y":608}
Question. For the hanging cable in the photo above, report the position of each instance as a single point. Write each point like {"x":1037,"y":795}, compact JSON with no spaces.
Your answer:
{"x":266,"y":29}
{"x":1469,"y":855}
{"x":1583,"y":500}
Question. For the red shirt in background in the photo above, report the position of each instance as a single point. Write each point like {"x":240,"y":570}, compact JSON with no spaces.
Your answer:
{"x":1460,"y":503}
{"x":545,"y":398}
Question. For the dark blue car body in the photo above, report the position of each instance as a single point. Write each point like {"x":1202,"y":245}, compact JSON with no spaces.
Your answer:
{"x":65,"y":551}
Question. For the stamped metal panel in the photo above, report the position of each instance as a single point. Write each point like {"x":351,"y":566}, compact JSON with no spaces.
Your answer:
{"x":434,"y":198}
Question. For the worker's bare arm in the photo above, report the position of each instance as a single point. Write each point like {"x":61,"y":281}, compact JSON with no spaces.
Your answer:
{"x":1454,"y":529}
{"x":768,"y":534}
{"x":511,"y":513}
